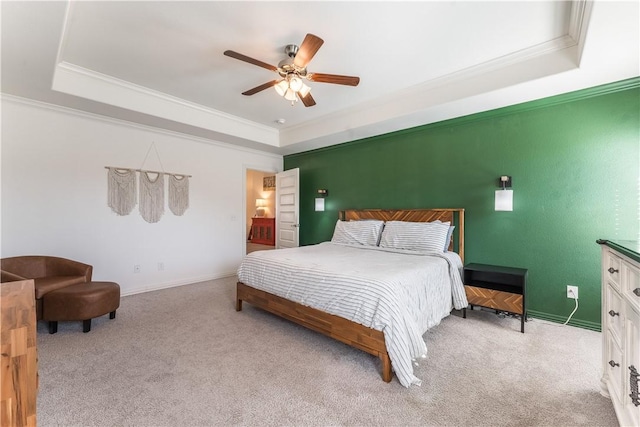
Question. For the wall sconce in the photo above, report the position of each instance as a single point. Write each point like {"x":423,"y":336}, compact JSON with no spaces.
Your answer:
{"x":260,"y":205}
{"x":504,"y":197}
{"x":322,"y":193}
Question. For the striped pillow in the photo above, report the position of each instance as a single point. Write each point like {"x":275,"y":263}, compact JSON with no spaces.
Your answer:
{"x":448,"y":239}
{"x":365,"y":232}
{"x":415,"y":236}
{"x":449,"y":236}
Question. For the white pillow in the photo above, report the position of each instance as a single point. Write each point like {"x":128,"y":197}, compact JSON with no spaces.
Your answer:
{"x":366,"y":232}
{"x":415,"y":236}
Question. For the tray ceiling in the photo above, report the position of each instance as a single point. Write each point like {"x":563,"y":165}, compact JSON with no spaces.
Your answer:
{"x":161,"y":63}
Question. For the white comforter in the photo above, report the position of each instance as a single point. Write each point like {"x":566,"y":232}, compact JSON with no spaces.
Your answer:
{"x":399,"y":293}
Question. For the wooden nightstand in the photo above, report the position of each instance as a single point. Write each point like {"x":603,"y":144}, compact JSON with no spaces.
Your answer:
{"x":500,"y":288}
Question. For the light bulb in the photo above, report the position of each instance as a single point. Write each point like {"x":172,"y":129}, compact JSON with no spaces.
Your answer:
{"x":290,"y":95}
{"x":281,"y":87}
{"x":304,"y":90}
{"x":295,"y":83}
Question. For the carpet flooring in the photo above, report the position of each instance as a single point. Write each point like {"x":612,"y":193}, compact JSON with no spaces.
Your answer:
{"x":184,"y":357}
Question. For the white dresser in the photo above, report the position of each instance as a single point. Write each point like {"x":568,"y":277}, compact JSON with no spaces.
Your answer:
{"x":621,"y":328}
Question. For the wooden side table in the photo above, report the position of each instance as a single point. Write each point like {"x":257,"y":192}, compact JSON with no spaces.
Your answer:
{"x":263,"y":231}
{"x":497,"y":287}
{"x":19,"y":354}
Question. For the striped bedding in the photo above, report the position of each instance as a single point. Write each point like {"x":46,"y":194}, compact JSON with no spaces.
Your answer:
{"x":401,"y":293}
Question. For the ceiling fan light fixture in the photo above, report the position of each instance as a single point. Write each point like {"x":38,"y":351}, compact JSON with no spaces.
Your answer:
{"x":293,"y":71}
{"x":295,"y":83}
{"x":290,"y":95}
{"x":281,"y":87}
{"x":304,"y":90}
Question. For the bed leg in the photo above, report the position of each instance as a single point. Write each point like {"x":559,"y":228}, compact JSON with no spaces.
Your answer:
{"x":238,"y":304}
{"x":386,"y":368}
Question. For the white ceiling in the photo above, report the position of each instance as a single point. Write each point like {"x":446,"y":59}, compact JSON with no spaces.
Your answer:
{"x":161,"y":63}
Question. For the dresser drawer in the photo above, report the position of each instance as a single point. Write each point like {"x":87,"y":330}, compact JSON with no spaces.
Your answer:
{"x":616,"y":369}
{"x":631,"y":284}
{"x":611,"y":269}
{"x":615,"y":313}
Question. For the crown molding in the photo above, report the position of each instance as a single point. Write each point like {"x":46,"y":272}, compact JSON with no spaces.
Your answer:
{"x":610,"y":88}
{"x":580,"y":12}
{"x":410,"y":105}
{"x":578,"y":23}
{"x":82,"y":82}
{"x":551,"y":57}
{"x":132,"y":125}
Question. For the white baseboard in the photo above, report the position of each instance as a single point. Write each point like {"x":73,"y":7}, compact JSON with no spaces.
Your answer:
{"x":183,"y":282}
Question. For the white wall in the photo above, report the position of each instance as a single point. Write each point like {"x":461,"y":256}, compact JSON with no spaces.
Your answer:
{"x":54,"y":197}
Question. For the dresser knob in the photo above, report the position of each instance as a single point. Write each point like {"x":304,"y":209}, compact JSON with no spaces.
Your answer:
{"x":612,"y":270}
{"x":636,"y":291}
{"x":613,"y":313}
{"x":613,"y":364}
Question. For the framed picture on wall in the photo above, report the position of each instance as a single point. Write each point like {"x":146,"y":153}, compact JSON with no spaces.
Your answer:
{"x":269,"y":183}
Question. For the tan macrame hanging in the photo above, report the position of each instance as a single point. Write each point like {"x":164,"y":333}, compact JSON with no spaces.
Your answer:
{"x":121,"y":190}
{"x":151,"y":197}
{"x":178,"y":194}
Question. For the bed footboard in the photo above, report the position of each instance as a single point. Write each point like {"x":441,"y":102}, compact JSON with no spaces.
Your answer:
{"x":346,"y":331}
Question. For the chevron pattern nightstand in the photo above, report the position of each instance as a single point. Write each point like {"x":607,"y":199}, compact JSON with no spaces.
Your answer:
{"x":497,"y":287}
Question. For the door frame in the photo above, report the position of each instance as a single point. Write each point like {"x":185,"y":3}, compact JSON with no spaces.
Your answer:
{"x":245,"y":169}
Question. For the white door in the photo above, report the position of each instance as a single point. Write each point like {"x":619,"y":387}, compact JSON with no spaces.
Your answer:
{"x":287,"y":208}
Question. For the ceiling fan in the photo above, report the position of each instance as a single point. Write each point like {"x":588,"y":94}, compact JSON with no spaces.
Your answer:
{"x":293,"y":72}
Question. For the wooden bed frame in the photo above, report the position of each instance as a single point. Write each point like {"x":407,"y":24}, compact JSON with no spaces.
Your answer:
{"x":346,"y":331}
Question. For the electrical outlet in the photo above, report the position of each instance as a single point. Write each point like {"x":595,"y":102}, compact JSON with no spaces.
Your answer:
{"x":572,"y":292}
{"x":161,"y":266}
{"x":136,"y":268}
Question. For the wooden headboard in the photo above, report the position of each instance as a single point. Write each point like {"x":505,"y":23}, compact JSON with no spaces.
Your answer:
{"x":454,"y":216}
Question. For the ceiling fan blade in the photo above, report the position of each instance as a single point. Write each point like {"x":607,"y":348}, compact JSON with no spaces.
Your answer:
{"x":307,"y":51}
{"x":308,"y":100}
{"x":335,"y":79}
{"x":260,"y":88}
{"x":245,"y":58}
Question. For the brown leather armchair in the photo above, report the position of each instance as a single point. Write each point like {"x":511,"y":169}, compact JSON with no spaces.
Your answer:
{"x":49,"y":273}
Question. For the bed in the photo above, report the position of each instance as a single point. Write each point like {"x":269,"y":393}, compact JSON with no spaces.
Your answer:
{"x":367,"y":293}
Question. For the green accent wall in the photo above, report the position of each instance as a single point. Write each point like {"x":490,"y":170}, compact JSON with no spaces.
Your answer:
{"x":575,"y":163}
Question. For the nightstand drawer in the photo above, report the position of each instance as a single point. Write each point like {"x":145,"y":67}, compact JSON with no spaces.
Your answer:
{"x":497,"y":300}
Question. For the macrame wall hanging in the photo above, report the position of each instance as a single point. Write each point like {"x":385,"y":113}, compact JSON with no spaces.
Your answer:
{"x":121,"y":188}
{"x":122,"y":191}
{"x":178,"y":194}
{"x":151,"y":197}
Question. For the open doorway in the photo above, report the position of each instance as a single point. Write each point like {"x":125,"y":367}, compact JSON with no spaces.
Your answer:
{"x":261,"y":210}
